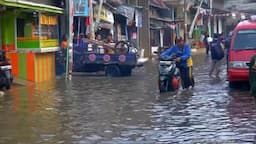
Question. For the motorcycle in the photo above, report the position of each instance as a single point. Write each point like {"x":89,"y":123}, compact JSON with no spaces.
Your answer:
{"x":169,"y":74}
{"x":6,"y":77}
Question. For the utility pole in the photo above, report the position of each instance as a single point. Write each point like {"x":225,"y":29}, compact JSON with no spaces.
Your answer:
{"x":144,"y":31}
{"x":69,"y":54}
{"x":194,"y":21}
{"x":209,"y":19}
{"x":185,"y":20}
{"x":91,"y":31}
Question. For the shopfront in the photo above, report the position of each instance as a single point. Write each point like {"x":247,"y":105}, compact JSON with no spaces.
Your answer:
{"x":30,"y":37}
{"x":106,"y":24}
{"x":162,"y":35}
{"x":128,"y":19}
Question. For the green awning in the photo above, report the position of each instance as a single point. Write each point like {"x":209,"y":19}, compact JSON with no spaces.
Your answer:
{"x":31,"y":5}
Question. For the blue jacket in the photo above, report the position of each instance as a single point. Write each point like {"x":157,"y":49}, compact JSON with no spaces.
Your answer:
{"x":184,"y":53}
{"x":217,"y":52}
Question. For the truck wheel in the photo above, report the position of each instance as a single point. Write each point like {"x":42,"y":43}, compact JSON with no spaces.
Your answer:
{"x":126,"y":71}
{"x":112,"y":71}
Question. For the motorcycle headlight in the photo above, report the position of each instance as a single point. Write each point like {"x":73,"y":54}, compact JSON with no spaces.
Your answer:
{"x":238,"y":65}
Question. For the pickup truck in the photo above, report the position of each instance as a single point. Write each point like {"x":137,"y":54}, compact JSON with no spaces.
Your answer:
{"x":115,"y":60}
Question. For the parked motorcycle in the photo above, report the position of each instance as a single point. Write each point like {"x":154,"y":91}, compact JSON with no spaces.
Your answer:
{"x":169,"y":74}
{"x":6,"y":77}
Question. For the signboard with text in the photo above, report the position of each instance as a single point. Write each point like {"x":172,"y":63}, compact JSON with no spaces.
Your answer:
{"x":105,"y":15}
{"x":81,"y":8}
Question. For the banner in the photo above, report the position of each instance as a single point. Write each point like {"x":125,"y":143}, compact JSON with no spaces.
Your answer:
{"x":81,"y":7}
{"x":171,"y":26}
{"x":126,"y":11}
{"x":48,"y":20}
{"x":105,"y":15}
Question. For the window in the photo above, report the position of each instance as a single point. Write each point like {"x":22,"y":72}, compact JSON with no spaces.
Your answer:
{"x":49,"y":29}
{"x":245,"y":39}
{"x":27,"y":26}
{"x":36,"y":30}
{"x":168,"y":37}
{"x":154,"y":37}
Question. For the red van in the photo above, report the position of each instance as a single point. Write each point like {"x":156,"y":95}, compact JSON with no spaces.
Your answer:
{"x":242,"y":48}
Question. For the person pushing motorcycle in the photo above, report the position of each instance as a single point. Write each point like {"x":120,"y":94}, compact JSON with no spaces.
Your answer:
{"x":183,"y":60}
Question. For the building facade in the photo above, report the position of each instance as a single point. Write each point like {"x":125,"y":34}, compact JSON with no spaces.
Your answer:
{"x":29,"y":33}
{"x":159,"y":26}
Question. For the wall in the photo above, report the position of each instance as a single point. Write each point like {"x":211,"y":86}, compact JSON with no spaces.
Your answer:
{"x":219,"y":4}
{"x":35,"y":67}
{"x":153,"y":12}
{"x":8,"y":31}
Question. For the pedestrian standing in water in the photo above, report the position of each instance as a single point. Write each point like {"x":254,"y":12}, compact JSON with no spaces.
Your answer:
{"x":206,"y":44}
{"x":227,"y":46}
{"x":217,"y":54}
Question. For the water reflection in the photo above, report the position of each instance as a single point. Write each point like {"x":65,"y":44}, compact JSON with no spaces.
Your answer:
{"x":29,"y":115}
{"x":92,"y":109}
{"x":110,"y":104}
{"x":241,"y":112}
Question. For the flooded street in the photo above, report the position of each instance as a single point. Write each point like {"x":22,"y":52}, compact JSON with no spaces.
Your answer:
{"x":101,"y":110}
